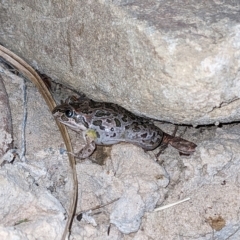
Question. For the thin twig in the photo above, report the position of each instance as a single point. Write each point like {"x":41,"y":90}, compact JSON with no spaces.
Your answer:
{"x":171,"y":205}
{"x":26,"y":70}
{"x":98,"y":206}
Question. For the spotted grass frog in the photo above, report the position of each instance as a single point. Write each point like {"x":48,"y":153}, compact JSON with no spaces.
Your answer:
{"x":105,"y":123}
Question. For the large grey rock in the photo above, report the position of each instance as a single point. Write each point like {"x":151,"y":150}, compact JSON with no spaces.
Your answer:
{"x":130,"y":175}
{"x":176,"y":61}
{"x":35,"y":188}
{"x":211,"y":179}
{"x":27,"y":211}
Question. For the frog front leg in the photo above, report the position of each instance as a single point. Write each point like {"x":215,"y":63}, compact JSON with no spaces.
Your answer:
{"x":90,"y":136}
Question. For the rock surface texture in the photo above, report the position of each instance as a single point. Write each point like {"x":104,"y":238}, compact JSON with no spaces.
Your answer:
{"x":6,"y":123}
{"x":173,"y":60}
{"x":176,"y":61}
{"x":116,"y":199}
{"x":33,"y":187}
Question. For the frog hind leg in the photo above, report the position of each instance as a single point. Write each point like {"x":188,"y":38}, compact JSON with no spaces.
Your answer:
{"x":165,"y":141}
{"x":90,"y":137}
{"x":183,"y":146}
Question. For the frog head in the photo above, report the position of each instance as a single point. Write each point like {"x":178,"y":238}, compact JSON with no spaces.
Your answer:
{"x":66,"y":114}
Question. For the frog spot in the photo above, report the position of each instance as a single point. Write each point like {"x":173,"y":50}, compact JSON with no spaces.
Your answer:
{"x":118,"y":123}
{"x":85,"y":123}
{"x":102,"y":127}
{"x":85,"y":111}
{"x":136,"y":129}
{"x":110,"y":106}
{"x":144,"y":135}
{"x":125,"y":118}
{"x":93,"y":104}
{"x":133,"y":117}
{"x":97,"y":122}
{"x":101,"y":113}
{"x":114,"y":135}
{"x":98,"y":135}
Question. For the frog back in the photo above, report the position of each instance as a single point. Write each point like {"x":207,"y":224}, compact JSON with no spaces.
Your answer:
{"x":114,"y":124}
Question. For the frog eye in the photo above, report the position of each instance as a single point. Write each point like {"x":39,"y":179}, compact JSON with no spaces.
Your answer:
{"x":69,"y":113}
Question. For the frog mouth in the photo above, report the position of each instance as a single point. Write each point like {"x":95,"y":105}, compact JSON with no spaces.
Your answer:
{"x":70,"y":124}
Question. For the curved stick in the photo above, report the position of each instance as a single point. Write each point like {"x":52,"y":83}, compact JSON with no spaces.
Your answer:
{"x":31,"y":74}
